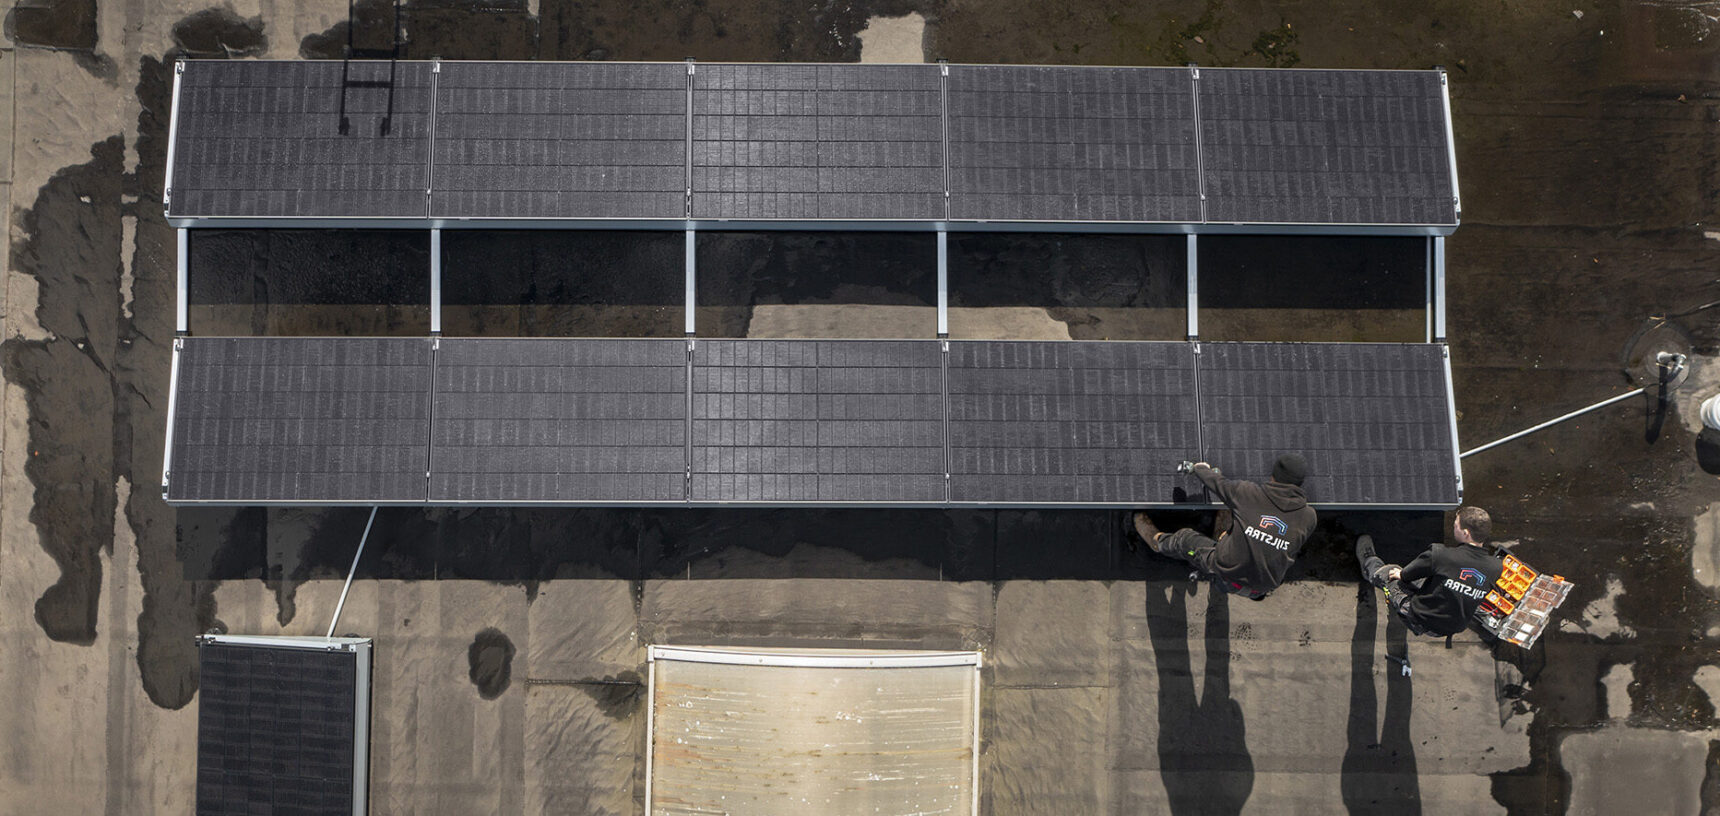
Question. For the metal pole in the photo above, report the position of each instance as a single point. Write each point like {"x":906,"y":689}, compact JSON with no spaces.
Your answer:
{"x":943,"y":281}
{"x":1193,"y":287}
{"x":182,"y":284}
{"x":1439,"y":289}
{"x":692,"y":269}
{"x":350,"y":571}
{"x":435,"y":281}
{"x":1428,"y":268}
{"x":1551,"y":422}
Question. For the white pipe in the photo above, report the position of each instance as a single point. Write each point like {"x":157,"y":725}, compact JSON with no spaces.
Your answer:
{"x":349,"y":572}
{"x":1551,"y":422}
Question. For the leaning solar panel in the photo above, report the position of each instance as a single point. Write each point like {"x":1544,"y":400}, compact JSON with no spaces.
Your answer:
{"x":1326,"y":147}
{"x":1374,"y":420}
{"x":1045,"y":423}
{"x":807,"y":142}
{"x":282,"y":725}
{"x":260,"y":420}
{"x":293,"y":140}
{"x":560,"y":140}
{"x":1030,"y":143}
{"x":817,"y":421}
{"x":560,"y":421}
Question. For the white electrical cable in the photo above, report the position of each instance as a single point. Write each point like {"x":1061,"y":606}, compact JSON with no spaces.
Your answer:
{"x":349,"y":573}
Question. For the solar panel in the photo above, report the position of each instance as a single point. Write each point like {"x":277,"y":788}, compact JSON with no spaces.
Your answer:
{"x":1069,"y":422}
{"x":817,"y":142}
{"x":1373,"y":420}
{"x":560,"y":140}
{"x":828,"y":421}
{"x":1072,"y":144}
{"x":281,"y":729}
{"x":521,"y":421}
{"x":1325,"y":147}
{"x":302,"y":139}
{"x":312,"y":420}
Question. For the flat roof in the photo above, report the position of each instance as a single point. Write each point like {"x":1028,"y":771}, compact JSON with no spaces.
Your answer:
{"x":658,"y":145}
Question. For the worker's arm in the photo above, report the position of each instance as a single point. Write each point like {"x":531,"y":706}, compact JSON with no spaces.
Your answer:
{"x":1420,"y":568}
{"x":1214,"y":481}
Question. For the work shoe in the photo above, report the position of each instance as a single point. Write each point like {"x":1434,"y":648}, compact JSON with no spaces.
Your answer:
{"x":1365,"y":548}
{"x":1146,"y":530}
{"x":1221,"y":523}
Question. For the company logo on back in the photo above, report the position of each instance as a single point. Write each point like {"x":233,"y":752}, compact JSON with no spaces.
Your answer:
{"x":1470,"y":575}
{"x":1258,"y":532}
{"x":1464,"y":577}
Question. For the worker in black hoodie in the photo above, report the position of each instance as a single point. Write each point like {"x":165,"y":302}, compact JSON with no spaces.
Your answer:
{"x":1269,"y":524}
{"x":1437,"y":593}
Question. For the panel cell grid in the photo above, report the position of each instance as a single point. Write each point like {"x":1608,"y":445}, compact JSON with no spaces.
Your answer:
{"x":1372,"y":420}
{"x":1325,"y":147}
{"x":1072,"y":144}
{"x":784,"y":421}
{"x":275,"y":730}
{"x":818,"y":142}
{"x":520,"y":421}
{"x":560,"y":140}
{"x":312,"y":420}
{"x":302,"y":139}
{"x":1063,"y":422}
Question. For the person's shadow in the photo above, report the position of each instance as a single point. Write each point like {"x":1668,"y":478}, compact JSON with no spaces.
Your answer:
{"x":1379,"y":774}
{"x":1203,"y":750}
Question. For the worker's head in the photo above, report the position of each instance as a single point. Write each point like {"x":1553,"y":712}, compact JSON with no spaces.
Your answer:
{"x":1472,"y":525}
{"x":1290,"y":469}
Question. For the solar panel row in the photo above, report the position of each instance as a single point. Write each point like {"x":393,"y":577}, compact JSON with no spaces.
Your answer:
{"x":798,"y":421}
{"x":768,"y":142}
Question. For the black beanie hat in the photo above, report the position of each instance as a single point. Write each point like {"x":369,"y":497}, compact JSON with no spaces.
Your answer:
{"x":1289,"y":469}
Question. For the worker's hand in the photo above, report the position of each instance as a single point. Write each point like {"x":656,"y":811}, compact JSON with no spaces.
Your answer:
{"x":1204,"y":465}
{"x":1394,"y":573}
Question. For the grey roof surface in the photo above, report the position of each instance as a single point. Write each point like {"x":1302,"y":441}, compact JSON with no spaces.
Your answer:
{"x":799,"y":422}
{"x":1063,"y":147}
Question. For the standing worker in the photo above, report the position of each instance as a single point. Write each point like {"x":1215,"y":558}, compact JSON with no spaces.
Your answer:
{"x":1270,"y":523}
{"x":1437,"y":593}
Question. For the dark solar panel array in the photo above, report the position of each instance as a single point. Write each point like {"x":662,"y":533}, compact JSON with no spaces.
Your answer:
{"x":817,"y":421}
{"x":1072,"y":144}
{"x":559,"y":421}
{"x":560,"y":140}
{"x":1373,"y":420}
{"x":1053,"y":422}
{"x":818,"y":141}
{"x":1044,"y":144}
{"x":298,"y":139}
{"x":1325,"y":147}
{"x":316,"y":421}
{"x":275,"y":730}
{"x":321,"y":420}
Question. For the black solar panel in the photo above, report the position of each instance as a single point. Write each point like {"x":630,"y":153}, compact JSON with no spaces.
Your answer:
{"x":315,"y":420}
{"x":1069,"y":422}
{"x":1072,"y":144}
{"x":275,"y":730}
{"x":818,"y":141}
{"x":1325,"y":147}
{"x":560,"y":140}
{"x":560,"y":421}
{"x":782,"y":421}
{"x":1372,"y":420}
{"x":298,"y":139}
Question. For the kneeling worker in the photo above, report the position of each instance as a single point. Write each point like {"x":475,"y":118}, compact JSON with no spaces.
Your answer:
{"x":1270,"y":523}
{"x":1437,"y":593}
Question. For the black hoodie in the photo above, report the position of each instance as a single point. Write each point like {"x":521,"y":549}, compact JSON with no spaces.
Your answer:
{"x":1272,"y":522}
